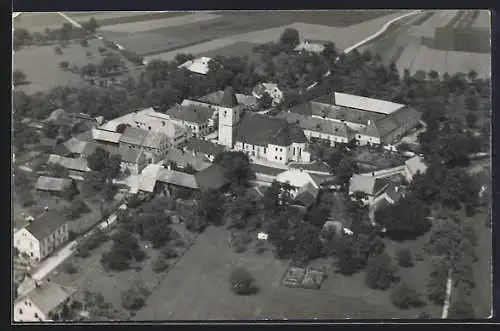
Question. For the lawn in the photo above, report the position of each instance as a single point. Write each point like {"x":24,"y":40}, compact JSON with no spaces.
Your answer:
{"x":198,"y":288}
{"x":41,"y":65}
{"x":92,"y":277}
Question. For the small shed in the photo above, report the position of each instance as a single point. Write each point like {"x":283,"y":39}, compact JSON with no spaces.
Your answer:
{"x":52,"y":184}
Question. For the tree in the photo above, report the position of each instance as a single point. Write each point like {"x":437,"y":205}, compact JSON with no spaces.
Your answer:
{"x":380,"y":272}
{"x":242,"y":282}
{"x":135,"y":297}
{"x":346,"y":168}
{"x":64,"y":65}
{"x":290,"y":38}
{"x":71,"y":191}
{"x":89,"y":69}
{"x":461,"y":309}
{"x":405,"y":258}
{"x":112,"y":166}
{"x":210,"y":207}
{"x":180,"y":58}
{"x":406,"y":219}
{"x":51,"y":130}
{"x":18,"y":77}
{"x":329,"y":52}
{"x":236,"y":166}
{"x":58,"y":50}
{"x":70,"y":268}
{"x":436,"y":287}
{"x":404,"y":296}
{"x":120,"y":128}
{"x":160,"y":264}
{"x":265,"y":101}
{"x":77,"y":208}
{"x":84,"y":42}
{"x":91,"y":26}
{"x":471,"y":120}
{"x":98,"y":160}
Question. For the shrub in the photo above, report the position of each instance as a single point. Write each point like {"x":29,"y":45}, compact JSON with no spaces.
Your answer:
{"x":380,"y":272}
{"x":405,"y":258}
{"x":470,"y":234}
{"x":242,"y":282}
{"x":404,"y":296}
{"x":160,"y":264}
{"x":169,"y":252}
{"x":179,"y":242}
{"x":460,"y":309}
{"x":70,"y":268}
{"x":133,"y":299}
{"x":82,"y":251}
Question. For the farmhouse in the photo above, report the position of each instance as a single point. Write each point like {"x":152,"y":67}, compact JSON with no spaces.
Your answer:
{"x":315,"y":128}
{"x":371,"y":186}
{"x":42,"y":303}
{"x":414,"y":166}
{"x":270,"y":88}
{"x":305,"y":187}
{"x":204,"y":148}
{"x":42,"y":236}
{"x":195,"y":116}
{"x":151,"y":120}
{"x":52,"y":184}
{"x":77,"y":167}
{"x":198,"y":66}
{"x":132,"y":159}
{"x":309,"y":47}
{"x":183,"y":159}
{"x":374,"y":121}
{"x":153,"y":144}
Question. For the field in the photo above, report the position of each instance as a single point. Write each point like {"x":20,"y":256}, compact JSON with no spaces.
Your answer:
{"x":41,"y":65}
{"x":408,"y":45}
{"x":39,"y":21}
{"x":198,"y":288}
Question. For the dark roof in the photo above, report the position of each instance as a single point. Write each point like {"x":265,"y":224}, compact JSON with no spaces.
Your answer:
{"x":46,"y":224}
{"x":191,"y":113}
{"x":212,"y":178}
{"x":394,"y":192}
{"x":316,"y":124}
{"x":134,"y":136}
{"x":260,"y":169}
{"x":270,"y":131}
{"x":45,"y":183}
{"x":384,"y":126}
{"x":130,"y":155}
{"x":204,"y":147}
{"x":307,"y":195}
{"x":229,"y":98}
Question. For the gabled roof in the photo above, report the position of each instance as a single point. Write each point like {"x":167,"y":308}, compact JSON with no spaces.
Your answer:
{"x":182,"y":159}
{"x":416,"y":164}
{"x":195,"y":113}
{"x":46,"y":224}
{"x":271,"y":130}
{"x":49,"y":296}
{"x":212,"y":178}
{"x":199,"y":65}
{"x":177,"y":178}
{"x":296,"y":178}
{"x":367,"y":184}
{"x":71,"y":146}
{"x":45,"y":183}
{"x":78,"y":164}
{"x":384,"y":126}
{"x":316,"y":124}
{"x":216,"y":98}
{"x":107,"y":136}
{"x":364,"y":103}
{"x":204,"y":147}
{"x":310,"y":47}
{"x":307,"y":195}
{"x":131,"y":155}
{"x":140,"y":137}
{"x":148,"y":177}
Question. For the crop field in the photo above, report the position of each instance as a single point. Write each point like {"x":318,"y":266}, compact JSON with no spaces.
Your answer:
{"x":39,"y":21}
{"x":41,"y":65}
{"x":342,"y":37}
{"x":236,"y":49}
{"x":106,"y":18}
{"x":198,"y":288}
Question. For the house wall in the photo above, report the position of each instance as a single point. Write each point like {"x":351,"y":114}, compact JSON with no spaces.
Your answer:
{"x":334,"y":139}
{"x":25,"y":242}
{"x":398,"y":133}
{"x":26,"y":311}
{"x":228,"y":118}
{"x":53,"y":241}
{"x":365,"y":139}
{"x":278,"y":154}
{"x":352,"y":125}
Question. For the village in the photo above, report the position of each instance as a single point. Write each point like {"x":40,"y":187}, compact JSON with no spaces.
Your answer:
{"x":333,"y":195}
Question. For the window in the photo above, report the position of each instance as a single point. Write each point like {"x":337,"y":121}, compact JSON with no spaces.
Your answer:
{"x":163,"y":122}
{"x":264,"y":150}
{"x":36,"y":315}
{"x":275,"y":157}
{"x":225,"y":113}
{"x":276,"y":148}
{"x":25,"y":303}
{"x":281,"y":149}
{"x":149,"y":127}
{"x":281,"y":158}
{"x":20,"y":311}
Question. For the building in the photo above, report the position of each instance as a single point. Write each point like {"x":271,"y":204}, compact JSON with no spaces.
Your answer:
{"x":153,"y":144}
{"x":374,"y":121}
{"x":218,"y":99}
{"x":77,"y":167}
{"x":43,"y":235}
{"x":183,"y":159}
{"x":270,"y":88}
{"x":133,"y":160}
{"x":414,"y":166}
{"x":198,"y":66}
{"x":310,"y":47}
{"x":316,"y":128}
{"x":196,"y":116}
{"x":204,"y":148}
{"x":52,"y":184}
{"x":305,"y":187}
{"x":371,"y":186}
{"x":43,"y":302}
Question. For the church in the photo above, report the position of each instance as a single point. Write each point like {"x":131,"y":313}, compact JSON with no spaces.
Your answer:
{"x":260,"y":136}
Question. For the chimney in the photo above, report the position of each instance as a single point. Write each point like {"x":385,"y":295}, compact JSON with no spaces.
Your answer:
{"x":37,"y":284}
{"x":373,"y":174}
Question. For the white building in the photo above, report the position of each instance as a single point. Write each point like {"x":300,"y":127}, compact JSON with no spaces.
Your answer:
{"x":199,"y":65}
{"x":42,"y":303}
{"x":270,"y":88}
{"x":43,"y":235}
{"x":414,"y":166}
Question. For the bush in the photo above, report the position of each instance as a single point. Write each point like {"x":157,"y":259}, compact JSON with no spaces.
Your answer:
{"x":179,"y":242}
{"x":404,"y":296}
{"x":169,"y":252}
{"x":380,"y":272}
{"x":470,"y":234}
{"x":133,"y":299}
{"x":242,"y":282}
{"x":405,"y":258}
{"x":70,"y":268}
{"x":160,"y":264}
{"x":82,"y":251}
{"x":460,"y":309}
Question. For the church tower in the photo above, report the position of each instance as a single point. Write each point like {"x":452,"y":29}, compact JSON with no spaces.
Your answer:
{"x":229,"y":116}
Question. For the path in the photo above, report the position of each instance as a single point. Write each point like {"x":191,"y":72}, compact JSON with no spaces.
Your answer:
{"x":447,"y":301}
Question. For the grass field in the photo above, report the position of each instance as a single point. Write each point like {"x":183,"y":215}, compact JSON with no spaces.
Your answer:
{"x":39,"y":21}
{"x":198,"y":288}
{"x":106,"y":18}
{"x":41,"y":65}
